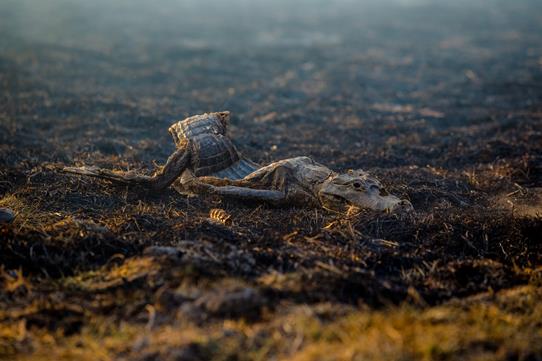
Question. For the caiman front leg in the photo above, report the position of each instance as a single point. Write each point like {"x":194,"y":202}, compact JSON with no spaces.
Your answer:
{"x":163,"y":178}
{"x":236,"y":189}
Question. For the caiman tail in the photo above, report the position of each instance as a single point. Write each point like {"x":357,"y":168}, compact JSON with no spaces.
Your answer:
{"x":163,"y":178}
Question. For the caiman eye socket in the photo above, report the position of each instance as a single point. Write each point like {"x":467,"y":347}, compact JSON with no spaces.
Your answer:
{"x":357,"y":185}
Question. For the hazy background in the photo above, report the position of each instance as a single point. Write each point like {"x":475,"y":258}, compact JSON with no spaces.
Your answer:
{"x":310,"y":69}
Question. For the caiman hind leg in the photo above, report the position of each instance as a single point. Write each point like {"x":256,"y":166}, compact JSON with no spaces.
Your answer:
{"x":221,"y":182}
{"x":237,"y":189}
{"x":163,"y":178}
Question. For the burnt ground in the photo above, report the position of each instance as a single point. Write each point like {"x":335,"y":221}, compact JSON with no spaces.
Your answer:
{"x":443,"y":102}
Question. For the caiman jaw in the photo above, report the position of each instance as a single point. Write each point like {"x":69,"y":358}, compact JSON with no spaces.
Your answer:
{"x":392,"y":204}
{"x":342,"y":191}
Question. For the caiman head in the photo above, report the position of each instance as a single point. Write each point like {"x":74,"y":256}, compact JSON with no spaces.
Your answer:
{"x":356,"y":188}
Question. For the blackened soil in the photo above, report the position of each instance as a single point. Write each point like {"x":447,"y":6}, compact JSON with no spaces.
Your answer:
{"x":442,"y":102}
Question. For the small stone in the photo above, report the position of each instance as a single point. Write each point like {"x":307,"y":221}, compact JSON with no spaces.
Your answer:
{"x":6,"y":216}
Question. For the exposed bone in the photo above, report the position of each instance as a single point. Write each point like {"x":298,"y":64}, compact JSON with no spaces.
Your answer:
{"x":221,"y":216}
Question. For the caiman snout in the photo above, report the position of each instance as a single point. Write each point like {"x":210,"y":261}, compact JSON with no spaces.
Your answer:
{"x":403,"y":206}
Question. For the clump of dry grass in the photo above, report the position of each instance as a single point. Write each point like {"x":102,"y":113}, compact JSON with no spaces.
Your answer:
{"x":491,"y":326}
